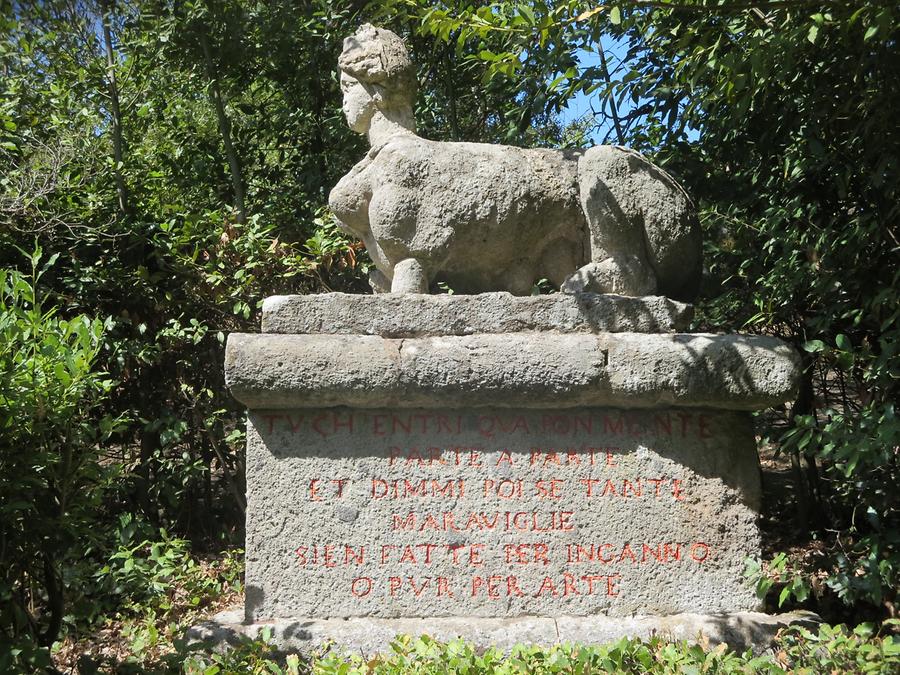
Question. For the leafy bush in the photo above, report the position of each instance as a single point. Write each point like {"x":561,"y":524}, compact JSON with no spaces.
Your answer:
{"x":51,"y":431}
{"x":425,"y":655}
{"x":141,"y":602}
{"x":830,"y":649}
{"x":835,"y":649}
{"x":177,"y":209}
{"x":775,"y":574}
{"x":257,"y":657}
{"x":157,"y":576}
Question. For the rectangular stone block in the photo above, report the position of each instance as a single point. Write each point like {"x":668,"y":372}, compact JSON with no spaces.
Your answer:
{"x":499,"y":512}
{"x":512,"y":370}
{"x":415,"y":315}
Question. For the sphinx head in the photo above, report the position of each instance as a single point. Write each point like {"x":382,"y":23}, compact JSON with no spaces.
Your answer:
{"x":377,"y":76}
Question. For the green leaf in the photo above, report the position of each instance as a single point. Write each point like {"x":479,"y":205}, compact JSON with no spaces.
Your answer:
{"x":813,"y":33}
{"x":784,"y":595}
{"x":615,"y":16}
{"x":813,"y":346}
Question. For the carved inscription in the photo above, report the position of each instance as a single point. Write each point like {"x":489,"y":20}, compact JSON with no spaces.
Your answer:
{"x":496,"y":507}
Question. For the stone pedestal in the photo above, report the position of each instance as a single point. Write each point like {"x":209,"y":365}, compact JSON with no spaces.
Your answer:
{"x":514,"y":459}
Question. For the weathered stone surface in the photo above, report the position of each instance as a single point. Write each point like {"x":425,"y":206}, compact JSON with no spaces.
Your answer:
{"x":370,"y":636}
{"x":404,"y":316}
{"x":489,"y":217}
{"x":498,"y":512}
{"x":527,"y":370}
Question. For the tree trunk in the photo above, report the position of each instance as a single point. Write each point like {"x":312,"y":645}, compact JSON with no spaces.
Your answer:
{"x":56,"y":602}
{"x":215,"y":96}
{"x":810,"y":509}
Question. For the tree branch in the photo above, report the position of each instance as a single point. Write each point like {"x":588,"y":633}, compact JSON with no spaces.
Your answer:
{"x":612,"y":98}
{"x":731,"y":7}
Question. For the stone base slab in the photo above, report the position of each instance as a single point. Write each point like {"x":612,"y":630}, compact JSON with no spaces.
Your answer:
{"x":416,"y":315}
{"x":369,"y":636}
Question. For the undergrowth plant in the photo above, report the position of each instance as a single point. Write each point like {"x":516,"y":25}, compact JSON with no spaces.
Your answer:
{"x":798,"y":650}
{"x":161,"y":574}
{"x":51,"y":479}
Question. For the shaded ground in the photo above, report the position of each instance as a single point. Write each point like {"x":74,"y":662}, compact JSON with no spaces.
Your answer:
{"x":791,"y":524}
{"x":139,"y":638}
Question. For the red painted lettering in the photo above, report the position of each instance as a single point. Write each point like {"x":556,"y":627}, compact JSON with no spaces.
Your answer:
{"x":547,"y":587}
{"x":569,"y":585}
{"x":549,"y":489}
{"x":505,"y":456}
{"x":361,"y":586}
{"x":610,"y":489}
{"x":314,"y":491}
{"x":270,"y":418}
{"x":613,"y":426}
{"x":443,"y":587}
{"x":524,"y":554}
{"x":703,"y":426}
{"x":505,"y":489}
{"x":635,"y":491}
{"x":356,"y":557}
{"x":699,"y":551}
{"x":512,"y":587}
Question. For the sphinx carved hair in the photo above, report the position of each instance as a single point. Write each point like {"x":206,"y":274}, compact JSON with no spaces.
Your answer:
{"x":377,"y":58}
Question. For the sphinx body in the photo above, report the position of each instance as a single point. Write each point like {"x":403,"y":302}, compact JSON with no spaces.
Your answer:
{"x":476,"y":216}
{"x":486,"y":217}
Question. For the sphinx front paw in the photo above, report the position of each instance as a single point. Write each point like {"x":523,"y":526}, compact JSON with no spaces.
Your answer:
{"x":409,"y":277}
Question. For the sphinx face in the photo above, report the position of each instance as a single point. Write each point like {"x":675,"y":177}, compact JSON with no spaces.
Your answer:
{"x":358,"y":104}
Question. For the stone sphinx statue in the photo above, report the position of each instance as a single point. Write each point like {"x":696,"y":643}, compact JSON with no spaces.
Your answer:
{"x":483,"y":217}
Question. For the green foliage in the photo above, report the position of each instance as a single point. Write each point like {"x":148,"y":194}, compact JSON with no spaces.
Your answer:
{"x":839,"y":650}
{"x":50,"y":434}
{"x":492,"y":41}
{"x":799,"y":184}
{"x":155,"y":240}
{"x":425,"y":655}
{"x":776,"y":574}
{"x":248,"y":656}
{"x":176,"y":161}
{"x":147,"y":596}
{"x":799,"y":650}
{"x":153,"y":577}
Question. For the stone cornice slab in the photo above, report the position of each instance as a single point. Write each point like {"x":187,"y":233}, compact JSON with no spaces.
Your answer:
{"x":529,"y":370}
